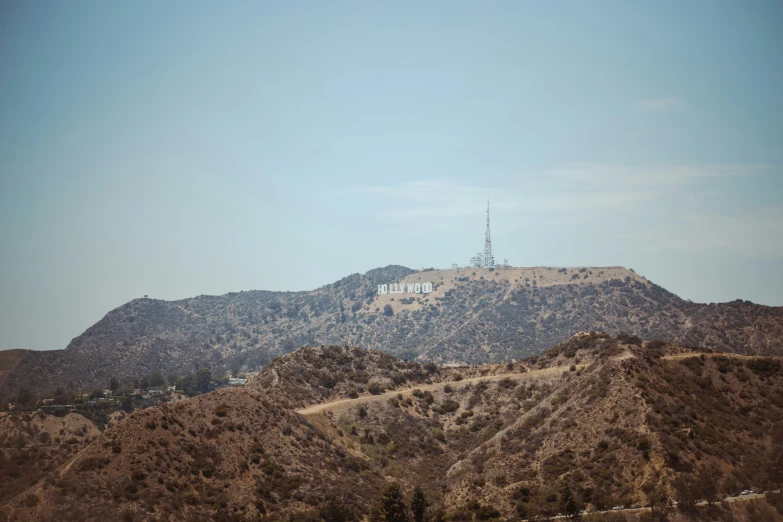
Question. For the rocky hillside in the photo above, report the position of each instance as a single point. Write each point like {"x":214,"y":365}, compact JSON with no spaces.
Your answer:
{"x":33,"y":445}
{"x":471,"y":317}
{"x":611,"y":420}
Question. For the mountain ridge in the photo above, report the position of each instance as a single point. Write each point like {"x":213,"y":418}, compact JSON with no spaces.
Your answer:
{"x":471,"y":316}
{"x":611,"y":419}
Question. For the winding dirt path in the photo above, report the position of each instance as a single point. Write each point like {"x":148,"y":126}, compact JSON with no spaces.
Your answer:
{"x":688,"y":355}
{"x":344,"y":404}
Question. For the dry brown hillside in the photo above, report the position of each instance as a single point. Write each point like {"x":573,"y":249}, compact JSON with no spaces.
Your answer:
{"x":8,"y":361}
{"x":473,"y":316}
{"x":34,"y":444}
{"x":609,"y":418}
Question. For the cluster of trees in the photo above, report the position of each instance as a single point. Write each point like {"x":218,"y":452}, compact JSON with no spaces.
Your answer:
{"x":391,"y":506}
{"x":22,"y":399}
{"x":194,"y":384}
{"x":692,"y":488}
{"x":191,"y":384}
{"x":547,"y":503}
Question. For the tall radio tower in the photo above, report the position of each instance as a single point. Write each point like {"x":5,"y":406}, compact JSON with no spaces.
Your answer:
{"x":489,"y":261}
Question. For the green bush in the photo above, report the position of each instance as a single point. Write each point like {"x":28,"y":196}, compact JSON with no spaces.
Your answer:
{"x":448,"y":406}
{"x":763,"y":367}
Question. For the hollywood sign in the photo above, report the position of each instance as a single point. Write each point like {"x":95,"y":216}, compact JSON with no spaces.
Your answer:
{"x":403,"y":288}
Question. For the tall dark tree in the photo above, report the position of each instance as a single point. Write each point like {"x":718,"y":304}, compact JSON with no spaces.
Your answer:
{"x":687,"y":491}
{"x":392,"y":507}
{"x":156,"y":379}
{"x":707,"y":483}
{"x":543,"y":505}
{"x":568,"y":504}
{"x":203,"y":379}
{"x":187,"y":384}
{"x":114,"y":384}
{"x":60,"y":397}
{"x":656,"y":494}
{"x":775,"y":465}
{"x":419,"y":504}
{"x":25,"y":398}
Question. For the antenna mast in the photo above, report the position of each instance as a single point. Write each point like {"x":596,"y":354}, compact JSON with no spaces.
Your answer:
{"x":489,"y":261}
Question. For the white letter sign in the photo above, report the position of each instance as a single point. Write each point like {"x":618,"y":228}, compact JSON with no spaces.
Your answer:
{"x":405,"y":288}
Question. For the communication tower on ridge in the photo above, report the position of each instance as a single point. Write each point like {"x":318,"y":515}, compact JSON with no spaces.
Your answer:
{"x":485,"y":260}
{"x":488,"y":259}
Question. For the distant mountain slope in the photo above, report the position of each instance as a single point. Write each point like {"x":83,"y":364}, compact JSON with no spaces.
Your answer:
{"x":472,"y":316}
{"x":8,"y":361}
{"x":609,"y":418}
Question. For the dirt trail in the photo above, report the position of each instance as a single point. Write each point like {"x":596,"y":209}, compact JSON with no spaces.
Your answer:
{"x":688,"y":355}
{"x":11,"y":370}
{"x":71,"y":463}
{"x":344,"y":404}
{"x":186,"y":310}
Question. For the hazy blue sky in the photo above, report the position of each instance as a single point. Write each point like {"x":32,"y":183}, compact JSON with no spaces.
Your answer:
{"x":177,"y":149}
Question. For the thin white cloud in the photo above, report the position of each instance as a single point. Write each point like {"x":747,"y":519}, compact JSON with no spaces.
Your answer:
{"x":568,"y":189}
{"x":657,"y":104}
{"x":751,"y":233}
{"x":664,"y":176}
{"x":642,"y":198}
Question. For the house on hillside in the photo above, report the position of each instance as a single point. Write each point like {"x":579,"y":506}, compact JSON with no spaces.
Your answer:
{"x":234,"y":381}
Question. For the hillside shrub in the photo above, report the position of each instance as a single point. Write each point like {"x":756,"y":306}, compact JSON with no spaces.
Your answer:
{"x":724,"y":364}
{"x":559,"y":463}
{"x":190,"y":496}
{"x":398,"y":378}
{"x":763,"y":367}
{"x":629,"y":339}
{"x":448,"y":406}
{"x":694,"y":364}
